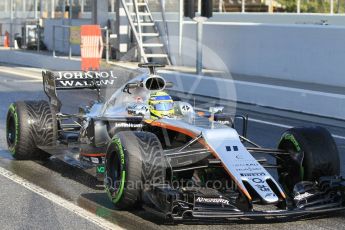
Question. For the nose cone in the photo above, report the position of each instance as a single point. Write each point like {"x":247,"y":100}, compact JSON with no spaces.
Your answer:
{"x":241,"y":165}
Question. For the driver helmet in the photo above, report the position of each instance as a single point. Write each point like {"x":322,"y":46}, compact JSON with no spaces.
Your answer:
{"x":161,"y":105}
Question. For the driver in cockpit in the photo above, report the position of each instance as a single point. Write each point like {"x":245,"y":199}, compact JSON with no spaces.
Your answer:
{"x":161,"y":105}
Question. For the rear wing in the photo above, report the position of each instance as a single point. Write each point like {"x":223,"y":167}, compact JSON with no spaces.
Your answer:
{"x":69,"y":80}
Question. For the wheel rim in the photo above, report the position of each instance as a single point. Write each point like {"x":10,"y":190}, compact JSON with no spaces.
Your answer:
{"x":11,"y":131}
{"x":290,"y":172}
{"x":115,"y":172}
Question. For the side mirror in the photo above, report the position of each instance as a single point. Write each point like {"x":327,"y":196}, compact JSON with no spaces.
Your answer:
{"x":138,"y":109}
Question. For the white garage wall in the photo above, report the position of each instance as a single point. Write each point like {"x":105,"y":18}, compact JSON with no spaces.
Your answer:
{"x":308,"y":53}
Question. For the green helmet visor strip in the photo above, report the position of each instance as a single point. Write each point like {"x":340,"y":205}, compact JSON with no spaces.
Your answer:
{"x":159,"y":114}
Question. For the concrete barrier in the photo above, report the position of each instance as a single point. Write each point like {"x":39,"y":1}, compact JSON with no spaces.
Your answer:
{"x":306,"y":53}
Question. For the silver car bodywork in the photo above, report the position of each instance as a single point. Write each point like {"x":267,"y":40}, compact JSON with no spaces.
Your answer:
{"x":222,"y":140}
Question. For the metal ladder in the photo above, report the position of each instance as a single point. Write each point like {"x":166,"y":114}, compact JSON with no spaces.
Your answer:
{"x":140,"y":18}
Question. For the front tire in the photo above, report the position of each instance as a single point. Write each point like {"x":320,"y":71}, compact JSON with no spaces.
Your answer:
{"x":30,"y":124}
{"x":314,"y":154}
{"x":134,"y":160}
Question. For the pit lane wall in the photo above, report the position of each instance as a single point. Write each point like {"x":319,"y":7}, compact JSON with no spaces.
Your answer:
{"x":306,"y":53}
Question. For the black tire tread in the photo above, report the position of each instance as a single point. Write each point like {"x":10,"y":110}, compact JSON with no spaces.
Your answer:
{"x":139,"y":147}
{"x":37,"y":127}
{"x":321,"y":156}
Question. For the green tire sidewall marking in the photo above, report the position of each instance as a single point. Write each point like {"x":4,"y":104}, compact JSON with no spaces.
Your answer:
{"x":120,"y":191}
{"x":295,"y":143}
{"x":117,"y":196}
{"x":293,"y":140}
{"x":13,"y":110}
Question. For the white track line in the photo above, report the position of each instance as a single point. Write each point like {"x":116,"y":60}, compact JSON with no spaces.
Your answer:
{"x":22,"y":81}
{"x":59,"y":201}
{"x":33,"y":76}
{"x":338,"y":137}
{"x":271,"y":123}
{"x":286,"y":126}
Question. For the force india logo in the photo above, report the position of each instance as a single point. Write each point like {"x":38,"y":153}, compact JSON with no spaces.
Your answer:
{"x":212,"y":200}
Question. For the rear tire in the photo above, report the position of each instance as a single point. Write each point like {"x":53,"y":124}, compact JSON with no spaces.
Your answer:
{"x":30,"y":124}
{"x":133,"y":160}
{"x":314,"y":148}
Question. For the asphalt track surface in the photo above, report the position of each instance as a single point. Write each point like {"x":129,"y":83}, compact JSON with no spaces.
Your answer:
{"x":24,"y":209}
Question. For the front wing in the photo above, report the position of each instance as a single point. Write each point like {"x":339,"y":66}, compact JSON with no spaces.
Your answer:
{"x":327,"y":195}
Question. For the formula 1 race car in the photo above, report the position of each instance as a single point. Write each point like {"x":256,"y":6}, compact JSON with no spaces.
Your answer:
{"x":163,"y":155}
